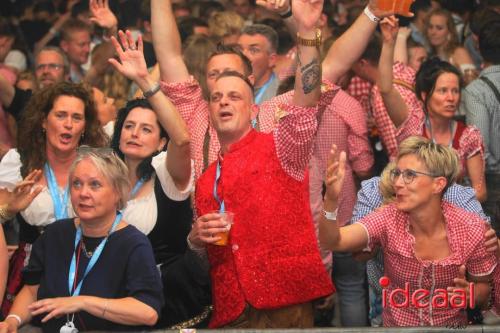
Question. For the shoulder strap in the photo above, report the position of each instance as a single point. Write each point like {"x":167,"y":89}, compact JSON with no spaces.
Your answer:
{"x":492,"y":86}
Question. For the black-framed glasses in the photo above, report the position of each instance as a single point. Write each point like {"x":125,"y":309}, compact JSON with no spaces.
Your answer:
{"x":408,"y":175}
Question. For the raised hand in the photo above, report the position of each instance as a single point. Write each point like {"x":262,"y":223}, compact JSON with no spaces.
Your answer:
{"x":55,"y":307}
{"x":102,"y":14}
{"x":132,"y":63}
{"x":276,"y":6}
{"x":389,"y":27}
{"x":24,"y":192}
{"x":307,"y":13}
{"x":335,"y":172}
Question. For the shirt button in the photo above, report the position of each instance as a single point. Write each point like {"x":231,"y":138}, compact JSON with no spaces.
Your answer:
{"x":235,"y":247}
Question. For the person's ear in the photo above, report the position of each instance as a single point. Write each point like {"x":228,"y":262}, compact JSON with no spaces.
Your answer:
{"x":439,"y":185}
{"x":254,"y":111}
{"x":163,"y":142}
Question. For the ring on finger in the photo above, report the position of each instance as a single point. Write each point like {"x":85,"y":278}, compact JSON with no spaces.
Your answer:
{"x":132,"y":48}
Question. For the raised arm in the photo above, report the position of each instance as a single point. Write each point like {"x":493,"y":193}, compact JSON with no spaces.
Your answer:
{"x":401,"y":48}
{"x":284,"y":9}
{"x":167,"y":42}
{"x":350,"y":237}
{"x":394,"y":102}
{"x":350,"y":46}
{"x":103,"y":16}
{"x":308,"y":75}
{"x":133,"y":66}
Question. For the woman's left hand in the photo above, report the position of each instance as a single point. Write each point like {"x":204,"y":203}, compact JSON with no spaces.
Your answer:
{"x":132,"y":64}
{"x":56,"y":307}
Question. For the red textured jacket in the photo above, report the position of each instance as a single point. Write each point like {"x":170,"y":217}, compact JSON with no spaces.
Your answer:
{"x":272,"y":258}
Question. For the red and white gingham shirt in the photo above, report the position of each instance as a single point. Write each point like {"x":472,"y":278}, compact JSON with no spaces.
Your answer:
{"x":385,"y":126}
{"x":390,"y":228}
{"x":188,"y":99}
{"x":470,"y":142}
{"x":342,"y":123}
{"x":360,"y":90}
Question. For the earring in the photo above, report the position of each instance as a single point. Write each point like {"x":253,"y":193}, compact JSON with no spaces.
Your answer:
{"x":82,"y":136}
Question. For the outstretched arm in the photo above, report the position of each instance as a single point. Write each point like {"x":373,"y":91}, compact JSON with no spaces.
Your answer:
{"x":394,"y":102}
{"x":133,"y":66}
{"x":167,"y":42}
{"x":350,"y":237}
{"x":350,"y":46}
{"x":7,"y":91}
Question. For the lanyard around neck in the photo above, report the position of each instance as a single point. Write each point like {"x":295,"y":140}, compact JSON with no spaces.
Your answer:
{"x":59,"y":200}
{"x":137,"y":187}
{"x":429,"y":126}
{"x":97,"y":253}
{"x":262,"y":90}
{"x":222,"y":207}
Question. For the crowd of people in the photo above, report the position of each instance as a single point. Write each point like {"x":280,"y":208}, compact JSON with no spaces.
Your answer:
{"x":249,"y":164}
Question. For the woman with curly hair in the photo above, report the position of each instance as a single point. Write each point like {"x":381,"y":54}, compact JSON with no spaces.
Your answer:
{"x":56,"y":121}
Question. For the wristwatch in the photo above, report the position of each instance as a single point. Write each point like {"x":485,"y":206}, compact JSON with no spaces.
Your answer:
{"x":316,"y":42}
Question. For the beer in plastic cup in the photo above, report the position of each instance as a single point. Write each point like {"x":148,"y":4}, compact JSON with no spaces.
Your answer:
{"x":402,"y":7}
{"x":228,"y":217}
{"x":386,"y":5}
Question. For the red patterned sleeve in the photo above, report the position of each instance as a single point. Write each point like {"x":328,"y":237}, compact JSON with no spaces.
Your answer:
{"x":375,"y":225}
{"x":471,"y":142}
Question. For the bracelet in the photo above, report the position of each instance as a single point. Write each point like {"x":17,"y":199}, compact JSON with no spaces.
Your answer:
{"x":370,"y":15}
{"x":286,"y":14}
{"x":152,"y":91}
{"x":16,"y":317}
{"x":331,"y":216}
{"x":105,"y":307}
{"x":316,"y":42}
{"x":4,"y":214}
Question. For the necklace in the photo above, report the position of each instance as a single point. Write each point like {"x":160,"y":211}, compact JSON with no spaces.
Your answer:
{"x":88,"y":254}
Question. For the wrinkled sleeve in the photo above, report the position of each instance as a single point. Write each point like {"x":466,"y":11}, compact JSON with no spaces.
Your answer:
{"x":481,"y":262}
{"x":471,"y":142}
{"x":186,"y":96}
{"x":412,"y":125}
{"x":166,"y":181}
{"x":375,"y":226}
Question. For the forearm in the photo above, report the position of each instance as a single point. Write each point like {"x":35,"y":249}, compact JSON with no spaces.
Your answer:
{"x":53,"y":31}
{"x":481,"y":294}
{"x":167,"y":114}
{"x":348,"y":48}
{"x":329,"y":231}
{"x":126,"y":311}
{"x":4,"y":263}
{"x":401,"y":51}
{"x":308,"y":74}
{"x":179,"y":164}
{"x":7,"y":92}
{"x":26,"y":296}
{"x":167,"y":42}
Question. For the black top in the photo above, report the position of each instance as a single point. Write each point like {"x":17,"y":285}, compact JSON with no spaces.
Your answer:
{"x":126,"y":268}
{"x":19,"y":102}
{"x":185,"y":278}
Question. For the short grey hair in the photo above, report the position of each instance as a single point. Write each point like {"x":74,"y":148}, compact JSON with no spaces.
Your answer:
{"x":58,"y":51}
{"x":110,"y":166}
{"x":268,"y":32}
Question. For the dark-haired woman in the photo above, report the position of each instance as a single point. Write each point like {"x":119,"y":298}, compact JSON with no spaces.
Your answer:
{"x":438,"y":85}
{"x":56,"y":121}
{"x":159,"y":204}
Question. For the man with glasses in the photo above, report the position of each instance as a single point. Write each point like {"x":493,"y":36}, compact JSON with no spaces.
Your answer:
{"x":51,"y":66}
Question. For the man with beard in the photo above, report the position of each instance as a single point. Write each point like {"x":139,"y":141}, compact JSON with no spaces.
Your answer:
{"x":51,"y":66}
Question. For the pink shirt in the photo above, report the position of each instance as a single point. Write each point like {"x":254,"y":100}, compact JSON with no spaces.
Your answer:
{"x":389,"y":228}
{"x":404,"y":80}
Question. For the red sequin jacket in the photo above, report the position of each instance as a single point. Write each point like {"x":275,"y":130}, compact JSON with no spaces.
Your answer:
{"x":272,"y":258}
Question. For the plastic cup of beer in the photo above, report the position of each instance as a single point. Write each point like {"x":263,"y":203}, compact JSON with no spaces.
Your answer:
{"x":402,"y":7}
{"x":227,"y":217}
{"x":386,"y":5}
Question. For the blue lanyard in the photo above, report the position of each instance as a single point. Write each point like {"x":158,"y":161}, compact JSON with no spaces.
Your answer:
{"x":59,"y":200}
{"x":97,"y":253}
{"x":222,"y":207}
{"x":262,"y":90}
{"x":136,"y":188}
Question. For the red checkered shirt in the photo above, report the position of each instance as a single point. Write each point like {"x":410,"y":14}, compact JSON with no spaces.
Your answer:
{"x":342,"y":123}
{"x":470,"y":142}
{"x":404,"y":78}
{"x":360,"y":90}
{"x":188,"y":99}
{"x":390,"y":228}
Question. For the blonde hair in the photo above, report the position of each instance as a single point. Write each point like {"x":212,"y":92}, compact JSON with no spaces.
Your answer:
{"x":439,"y":160}
{"x":110,"y":166}
{"x":385,"y":185}
{"x":223,"y":24}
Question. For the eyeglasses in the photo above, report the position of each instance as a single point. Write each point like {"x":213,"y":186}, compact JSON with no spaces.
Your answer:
{"x":408,"y":175}
{"x":54,"y":67}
